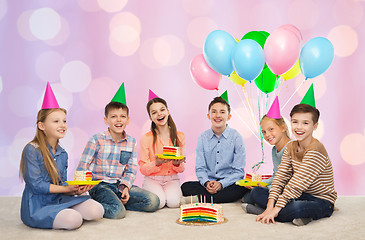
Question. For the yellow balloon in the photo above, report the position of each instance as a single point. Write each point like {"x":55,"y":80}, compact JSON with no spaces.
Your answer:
{"x":292,"y":73}
{"x":237,"y":79}
{"x":237,"y":40}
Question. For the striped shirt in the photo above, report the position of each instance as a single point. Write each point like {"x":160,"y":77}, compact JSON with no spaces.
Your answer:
{"x":309,"y":171}
{"x":110,"y":161}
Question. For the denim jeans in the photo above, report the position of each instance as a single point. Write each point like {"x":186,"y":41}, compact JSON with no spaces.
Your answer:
{"x":109,"y":196}
{"x":306,"y":206}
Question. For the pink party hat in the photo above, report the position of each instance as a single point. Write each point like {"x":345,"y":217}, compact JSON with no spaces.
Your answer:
{"x":151,"y":95}
{"x":274,"y":111}
{"x":49,"y":100}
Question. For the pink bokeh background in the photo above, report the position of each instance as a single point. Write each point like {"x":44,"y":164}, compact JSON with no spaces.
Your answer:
{"x":87,"y":48}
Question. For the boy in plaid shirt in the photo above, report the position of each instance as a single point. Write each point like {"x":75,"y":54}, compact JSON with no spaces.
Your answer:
{"x":112,"y":158}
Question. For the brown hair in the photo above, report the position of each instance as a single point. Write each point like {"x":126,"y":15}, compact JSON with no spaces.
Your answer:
{"x":41,"y":140}
{"x":219,"y":100}
{"x":115,"y":105}
{"x":170,"y":123}
{"x":305,"y":108}
{"x":280,"y":122}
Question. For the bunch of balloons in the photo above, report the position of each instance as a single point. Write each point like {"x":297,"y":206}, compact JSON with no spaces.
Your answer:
{"x":260,"y":57}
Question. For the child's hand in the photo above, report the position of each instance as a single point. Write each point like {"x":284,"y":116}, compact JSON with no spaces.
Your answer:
{"x":268,"y":216}
{"x":160,"y":161}
{"x":213,"y":187}
{"x":125,"y":195}
{"x":249,"y":187}
{"x":84,"y":189}
{"x":176,"y":162}
{"x":71,"y":189}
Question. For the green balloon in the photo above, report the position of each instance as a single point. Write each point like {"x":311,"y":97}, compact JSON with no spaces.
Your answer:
{"x":266,"y":81}
{"x":265,"y":33}
{"x":259,"y":37}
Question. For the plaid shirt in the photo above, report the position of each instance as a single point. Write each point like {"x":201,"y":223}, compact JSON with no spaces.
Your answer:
{"x":110,"y":161}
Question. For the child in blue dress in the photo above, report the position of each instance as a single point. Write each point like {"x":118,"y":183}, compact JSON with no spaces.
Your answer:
{"x":48,"y":202}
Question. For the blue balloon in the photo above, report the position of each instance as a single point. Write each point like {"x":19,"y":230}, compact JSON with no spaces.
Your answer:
{"x":316,"y":57}
{"x":248,"y":59}
{"x":217,"y":51}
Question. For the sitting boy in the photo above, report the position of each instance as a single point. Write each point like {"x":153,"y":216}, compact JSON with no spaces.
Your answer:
{"x":220,"y":159}
{"x":112,"y":158}
{"x":303,"y":187}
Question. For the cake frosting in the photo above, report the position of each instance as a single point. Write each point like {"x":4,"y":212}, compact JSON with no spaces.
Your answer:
{"x":171,"y":151}
{"x":256,"y":177}
{"x":83,"y":176}
{"x":201,"y":212}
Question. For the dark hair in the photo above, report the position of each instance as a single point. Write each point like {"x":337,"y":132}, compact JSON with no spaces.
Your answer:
{"x":219,"y":100}
{"x":305,"y":108}
{"x":170,"y":123}
{"x":115,"y":105}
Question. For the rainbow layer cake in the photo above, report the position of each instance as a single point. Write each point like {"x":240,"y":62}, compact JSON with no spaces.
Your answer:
{"x":171,"y":151}
{"x":201,"y":212}
{"x":83,"y":176}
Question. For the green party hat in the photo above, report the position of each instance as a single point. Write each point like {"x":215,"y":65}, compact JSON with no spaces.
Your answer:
{"x":309,"y":97}
{"x":225,"y":96}
{"x":120,"y":95}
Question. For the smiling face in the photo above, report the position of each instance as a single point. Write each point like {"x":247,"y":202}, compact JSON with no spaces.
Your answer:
{"x":219,"y":115}
{"x":271,"y":131}
{"x":158,"y":114}
{"x":117,"y":120}
{"x":302,"y":127}
{"x":54,"y":126}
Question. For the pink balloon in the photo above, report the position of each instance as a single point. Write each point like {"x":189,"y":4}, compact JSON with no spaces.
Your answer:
{"x":203,"y":75}
{"x":294,"y":29}
{"x":282,"y":49}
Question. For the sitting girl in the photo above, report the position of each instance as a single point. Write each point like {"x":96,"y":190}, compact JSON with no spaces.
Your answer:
{"x":47,"y":202}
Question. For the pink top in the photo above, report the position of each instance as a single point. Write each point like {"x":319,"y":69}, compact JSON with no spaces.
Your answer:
{"x":147,"y":160}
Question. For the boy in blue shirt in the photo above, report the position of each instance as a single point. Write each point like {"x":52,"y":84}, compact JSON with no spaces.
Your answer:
{"x":220,"y":159}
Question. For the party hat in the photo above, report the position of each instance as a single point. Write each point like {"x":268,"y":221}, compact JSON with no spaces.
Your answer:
{"x":225,"y":96}
{"x":151,"y":95}
{"x":120,"y":95}
{"x":274,"y":111}
{"x":49,"y":100}
{"x":309,"y":97}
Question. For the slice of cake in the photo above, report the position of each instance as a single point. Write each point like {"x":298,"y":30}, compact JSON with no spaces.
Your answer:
{"x":171,"y":151}
{"x":201,"y":212}
{"x":256,"y":177}
{"x":83,"y":176}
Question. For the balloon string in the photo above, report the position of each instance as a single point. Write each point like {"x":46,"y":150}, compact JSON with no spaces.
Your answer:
{"x":249,"y":96}
{"x":258,"y":165}
{"x":241,"y":119}
{"x":281,"y":86}
{"x":243,"y":102}
{"x":296,"y":90}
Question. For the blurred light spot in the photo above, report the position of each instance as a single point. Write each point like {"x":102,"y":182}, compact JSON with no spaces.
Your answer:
{"x":48,"y":66}
{"x":89,"y":5}
{"x":3,"y":8}
{"x":62,"y":35}
{"x":124,"y":40}
{"x":348,"y":12}
{"x":352,"y":149}
{"x":197,"y":7}
{"x":22,"y":101}
{"x":263,"y":15}
{"x":22,"y":137}
{"x":126,"y":19}
{"x":112,"y":5}
{"x":344,"y":39}
{"x":147,"y":54}
{"x":7,"y":168}
{"x":23,"y":26}
{"x":99,"y":93}
{"x":198,"y":29}
{"x":169,"y":50}
{"x":319,"y":132}
{"x":45,"y":23}
{"x":75,"y":76}
{"x":1,"y":84}
{"x":240,"y":120}
{"x":320,"y":85}
{"x":299,"y":12}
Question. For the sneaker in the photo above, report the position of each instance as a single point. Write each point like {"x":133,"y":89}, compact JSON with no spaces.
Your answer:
{"x":244,"y":207}
{"x":188,"y":200}
{"x":252,"y":209}
{"x":301,"y":221}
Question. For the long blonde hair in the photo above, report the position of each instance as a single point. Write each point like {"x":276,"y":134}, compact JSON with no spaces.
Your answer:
{"x":40,"y":139}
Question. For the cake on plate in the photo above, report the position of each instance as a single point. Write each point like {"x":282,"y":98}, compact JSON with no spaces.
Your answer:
{"x":171,"y":151}
{"x":83,"y":176}
{"x":201,"y":212}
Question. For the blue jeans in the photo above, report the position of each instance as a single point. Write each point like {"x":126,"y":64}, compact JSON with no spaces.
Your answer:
{"x":109,"y":196}
{"x":306,"y":206}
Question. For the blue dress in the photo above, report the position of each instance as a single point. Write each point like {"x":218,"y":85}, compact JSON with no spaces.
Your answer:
{"x":39,"y":207}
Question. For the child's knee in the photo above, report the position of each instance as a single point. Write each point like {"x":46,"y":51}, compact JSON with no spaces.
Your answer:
{"x":115,"y":212}
{"x":153,"y":202}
